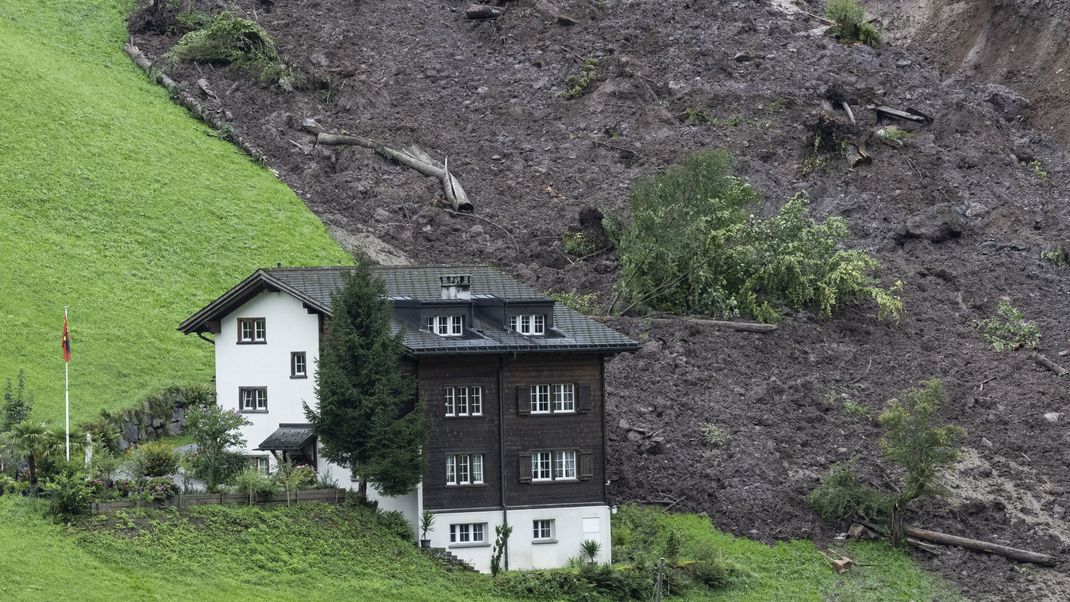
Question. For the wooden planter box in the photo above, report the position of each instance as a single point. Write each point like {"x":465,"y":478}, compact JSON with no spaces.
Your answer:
{"x":315,"y":496}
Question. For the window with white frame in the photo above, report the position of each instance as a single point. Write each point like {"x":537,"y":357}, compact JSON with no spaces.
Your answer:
{"x":252,"y":399}
{"x":541,"y":463}
{"x":298,"y":365}
{"x":446,"y":326}
{"x":259,"y":464}
{"x":464,"y":469}
{"x":468,"y":533}
{"x":564,"y":465}
{"x":564,"y":398}
{"x":252,"y":330}
{"x":528,"y":324}
{"x":542,"y":530}
{"x":540,"y":399}
{"x":464,"y":401}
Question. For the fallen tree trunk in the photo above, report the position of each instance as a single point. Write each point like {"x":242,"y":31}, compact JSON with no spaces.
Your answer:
{"x":983,"y":546}
{"x":755,"y":327}
{"x":423,"y":163}
{"x":190,"y":103}
{"x":1043,"y":360}
{"x":483,"y":11}
{"x":897,"y":114}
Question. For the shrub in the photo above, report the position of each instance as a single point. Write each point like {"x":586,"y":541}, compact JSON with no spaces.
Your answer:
{"x":849,"y":18}
{"x":10,"y":486}
{"x":153,"y":459}
{"x":158,"y":489}
{"x":68,"y":495}
{"x":715,"y":436}
{"x":841,"y":497}
{"x":230,"y":40}
{"x":216,"y":432}
{"x":1058,"y":256}
{"x":589,"y":549}
{"x":709,"y":573}
{"x":252,"y":482}
{"x":578,"y":84}
{"x":124,"y":488}
{"x":694,"y":247}
{"x":395,"y":523}
{"x":580,"y":244}
{"x":1009,"y":329}
{"x":585,"y":304}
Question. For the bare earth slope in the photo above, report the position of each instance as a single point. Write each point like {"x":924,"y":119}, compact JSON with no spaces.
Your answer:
{"x":958,"y":213}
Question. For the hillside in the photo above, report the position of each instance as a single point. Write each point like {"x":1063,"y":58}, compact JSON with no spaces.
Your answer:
{"x":116,"y":203}
{"x":961,"y":212}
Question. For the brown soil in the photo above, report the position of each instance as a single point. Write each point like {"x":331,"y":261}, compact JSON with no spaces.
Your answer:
{"x":956,"y":213}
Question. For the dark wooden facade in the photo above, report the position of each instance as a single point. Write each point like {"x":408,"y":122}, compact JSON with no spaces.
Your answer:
{"x":507,"y":433}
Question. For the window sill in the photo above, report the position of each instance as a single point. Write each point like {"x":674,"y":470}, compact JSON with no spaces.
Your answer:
{"x":453,"y":416}
{"x":558,"y":413}
{"x":477,"y":544}
{"x":252,"y":342}
{"x":252,"y":411}
{"x":553,"y":481}
{"x":298,"y":376}
{"x":464,"y":485}
{"x":537,"y":542}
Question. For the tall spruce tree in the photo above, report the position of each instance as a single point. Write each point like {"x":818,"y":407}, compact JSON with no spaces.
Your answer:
{"x":366,"y":417}
{"x":17,"y":403}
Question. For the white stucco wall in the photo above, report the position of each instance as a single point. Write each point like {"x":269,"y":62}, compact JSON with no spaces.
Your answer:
{"x":524,"y":552}
{"x":287,"y":327}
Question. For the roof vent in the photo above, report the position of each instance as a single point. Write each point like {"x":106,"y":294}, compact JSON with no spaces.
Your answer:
{"x":456,"y":286}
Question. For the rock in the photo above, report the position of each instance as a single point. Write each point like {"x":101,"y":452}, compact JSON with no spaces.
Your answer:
{"x":624,"y":424}
{"x":743,"y":57}
{"x":123,"y":444}
{"x":1052,"y":417}
{"x":130,"y":432}
{"x":903,"y":63}
{"x":936,"y":224}
{"x":476,"y":231}
{"x":650,"y":348}
{"x":382,"y":215}
{"x":157,"y":422}
{"x":1010,"y":105}
{"x":173,"y":429}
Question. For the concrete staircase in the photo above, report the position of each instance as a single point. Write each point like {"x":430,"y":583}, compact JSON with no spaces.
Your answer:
{"x":448,"y":558}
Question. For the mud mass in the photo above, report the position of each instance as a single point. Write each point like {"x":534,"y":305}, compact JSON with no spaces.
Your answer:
{"x":960,"y":212}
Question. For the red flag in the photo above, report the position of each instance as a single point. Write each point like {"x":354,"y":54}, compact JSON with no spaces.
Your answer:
{"x":66,"y":339}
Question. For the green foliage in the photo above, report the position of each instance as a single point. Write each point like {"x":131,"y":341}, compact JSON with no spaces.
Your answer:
{"x":366,"y":417}
{"x":10,"y":486}
{"x":710,"y":573}
{"x":193,"y":20}
{"x":33,"y":441}
{"x":17,"y":402}
{"x":293,"y":478}
{"x":1057,"y":256}
{"x":156,"y":489}
{"x":216,"y":432}
{"x":912,"y":441}
{"x":252,"y":483}
{"x":715,"y":436}
{"x":855,"y":409}
{"x":672,"y":547}
{"x":1038,"y":169}
{"x":104,"y":465}
{"x":585,"y":304}
{"x":396,"y":524}
{"x":841,"y":497}
{"x":814,"y":163}
{"x":1009,"y":329}
{"x":850,"y":23}
{"x":501,"y":541}
{"x":231,"y":40}
{"x":580,"y":245}
{"x":427,"y":522}
{"x":578,"y":84}
{"x":894,"y":134}
{"x":694,"y":247}
{"x":162,"y":238}
{"x":589,"y":549}
{"x":152,"y":459}
{"x":68,"y":495}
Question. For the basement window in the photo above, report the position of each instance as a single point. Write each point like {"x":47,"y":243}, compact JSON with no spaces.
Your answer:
{"x":474,"y":533}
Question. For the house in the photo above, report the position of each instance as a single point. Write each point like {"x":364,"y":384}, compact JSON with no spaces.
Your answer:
{"x":513,"y":384}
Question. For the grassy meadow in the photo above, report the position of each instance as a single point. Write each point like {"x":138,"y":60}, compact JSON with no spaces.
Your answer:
{"x":117,"y":203}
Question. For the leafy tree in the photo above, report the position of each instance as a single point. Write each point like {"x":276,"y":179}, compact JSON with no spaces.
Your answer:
{"x":911,"y":441}
{"x":69,"y":496}
{"x":1009,"y":329}
{"x":292,"y":478}
{"x":693,"y":246}
{"x":17,"y":402}
{"x":33,"y":441}
{"x":215,"y":431}
{"x":366,"y":417}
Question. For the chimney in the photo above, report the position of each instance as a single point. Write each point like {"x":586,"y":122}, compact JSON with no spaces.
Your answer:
{"x":456,"y":286}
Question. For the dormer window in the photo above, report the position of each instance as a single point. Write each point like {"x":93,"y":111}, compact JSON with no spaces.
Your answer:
{"x":251,"y":330}
{"x":446,"y":326}
{"x":528,"y":325}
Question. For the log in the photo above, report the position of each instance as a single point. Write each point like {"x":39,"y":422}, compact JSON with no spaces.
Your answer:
{"x":982,"y":546}
{"x":755,"y":327}
{"x":455,"y":193}
{"x":1043,"y":360}
{"x":905,"y":115}
{"x":483,"y":11}
{"x":189,"y":102}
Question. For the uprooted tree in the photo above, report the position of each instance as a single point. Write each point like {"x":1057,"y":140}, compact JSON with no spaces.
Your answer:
{"x":694,"y":246}
{"x":911,"y":441}
{"x":367,"y":416}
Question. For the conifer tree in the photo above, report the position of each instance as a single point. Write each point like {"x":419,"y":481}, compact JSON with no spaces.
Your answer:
{"x":367,"y":418}
{"x":17,"y":403}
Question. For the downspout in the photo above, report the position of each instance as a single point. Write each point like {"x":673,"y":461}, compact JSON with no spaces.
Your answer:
{"x":200,"y":335}
{"x":501,"y":449}
{"x":605,"y":445}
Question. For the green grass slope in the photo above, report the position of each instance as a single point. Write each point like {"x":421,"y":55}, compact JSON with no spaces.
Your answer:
{"x":116,"y":202}
{"x":302,"y":553}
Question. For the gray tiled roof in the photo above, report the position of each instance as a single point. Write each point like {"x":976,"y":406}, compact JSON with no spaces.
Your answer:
{"x":314,"y":286}
{"x":289,"y":437}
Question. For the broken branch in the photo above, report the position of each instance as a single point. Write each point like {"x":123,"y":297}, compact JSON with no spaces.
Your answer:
{"x":904,"y":115}
{"x":1043,"y":360}
{"x":483,"y":11}
{"x":983,"y":546}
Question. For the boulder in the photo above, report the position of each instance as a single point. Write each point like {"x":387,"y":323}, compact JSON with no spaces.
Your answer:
{"x":936,"y":224}
{"x":1010,"y":105}
{"x":1052,"y":417}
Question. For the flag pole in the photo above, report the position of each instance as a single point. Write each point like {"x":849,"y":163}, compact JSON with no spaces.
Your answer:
{"x":67,"y":394}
